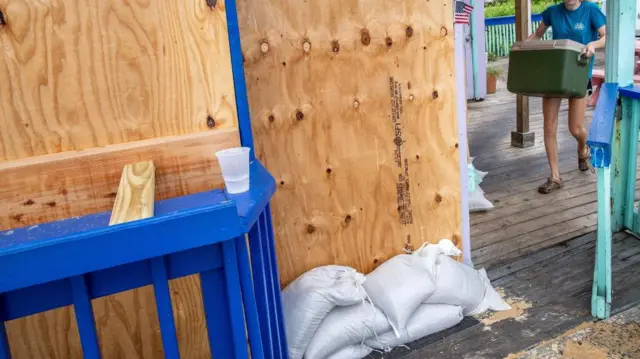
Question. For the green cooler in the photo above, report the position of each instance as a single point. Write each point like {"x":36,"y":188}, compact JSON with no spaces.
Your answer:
{"x":552,"y":68}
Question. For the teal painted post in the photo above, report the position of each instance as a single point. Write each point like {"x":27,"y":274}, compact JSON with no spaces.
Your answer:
{"x":619,"y":64}
{"x":629,"y":124}
{"x":474,"y":51}
{"x":601,"y":298}
{"x":631,"y":111}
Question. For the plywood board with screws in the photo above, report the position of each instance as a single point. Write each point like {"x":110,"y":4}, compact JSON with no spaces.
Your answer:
{"x":82,"y":74}
{"x":353,"y":111}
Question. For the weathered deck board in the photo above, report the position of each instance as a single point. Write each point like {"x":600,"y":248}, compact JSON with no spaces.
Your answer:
{"x":524,"y":221}
{"x":557,"y":283}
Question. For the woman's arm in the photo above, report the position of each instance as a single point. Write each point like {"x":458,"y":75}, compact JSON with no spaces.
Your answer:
{"x":591,"y":47}
{"x":539,"y":33}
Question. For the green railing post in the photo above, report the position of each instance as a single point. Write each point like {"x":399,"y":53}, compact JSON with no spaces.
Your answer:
{"x":616,"y":187}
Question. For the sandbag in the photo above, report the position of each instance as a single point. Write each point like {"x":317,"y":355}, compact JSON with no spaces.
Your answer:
{"x":352,"y":352}
{"x":308,"y":300}
{"x":344,"y":327}
{"x":478,"y":202}
{"x":478,"y":175}
{"x":458,"y":284}
{"x":398,"y":286}
{"x":428,"y":319}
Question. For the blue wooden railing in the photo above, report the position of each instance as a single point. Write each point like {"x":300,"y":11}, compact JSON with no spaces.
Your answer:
{"x":76,"y":260}
{"x":501,"y":33}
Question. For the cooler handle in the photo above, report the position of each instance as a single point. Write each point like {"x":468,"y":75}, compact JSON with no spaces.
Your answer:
{"x":583,"y":60}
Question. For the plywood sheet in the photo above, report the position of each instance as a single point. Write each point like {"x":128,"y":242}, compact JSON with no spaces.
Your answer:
{"x":77,"y":74}
{"x":353,"y":110}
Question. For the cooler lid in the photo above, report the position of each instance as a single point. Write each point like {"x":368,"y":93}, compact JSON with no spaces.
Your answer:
{"x":547,"y":45}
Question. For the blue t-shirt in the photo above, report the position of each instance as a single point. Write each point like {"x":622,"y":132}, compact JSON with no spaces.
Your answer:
{"x":580,"y":25}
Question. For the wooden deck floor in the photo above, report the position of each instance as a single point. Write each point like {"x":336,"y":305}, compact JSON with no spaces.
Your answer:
{"x":524,"y":221}
{"x":552,"y":289}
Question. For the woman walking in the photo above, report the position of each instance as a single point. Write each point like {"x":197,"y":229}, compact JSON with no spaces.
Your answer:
{"x":583,"y":22}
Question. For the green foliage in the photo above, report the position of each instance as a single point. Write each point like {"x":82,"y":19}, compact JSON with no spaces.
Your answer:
{"x":491,"y":57}
{"x":508,"y":7}
{"x":494,"y":71}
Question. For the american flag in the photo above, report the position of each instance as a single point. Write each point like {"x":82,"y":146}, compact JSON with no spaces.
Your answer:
{"x":463,"y":13}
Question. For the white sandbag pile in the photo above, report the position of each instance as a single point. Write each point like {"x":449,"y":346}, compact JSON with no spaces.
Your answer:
{"x":477,"y":200}
{"x":335,"y":312}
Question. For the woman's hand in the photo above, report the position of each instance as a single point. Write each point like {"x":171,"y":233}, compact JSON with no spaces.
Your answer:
{"x":589,"y":50}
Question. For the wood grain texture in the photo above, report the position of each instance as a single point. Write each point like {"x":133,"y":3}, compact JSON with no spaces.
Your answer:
{"x":77,"y":74}
{"x":46,"y":188}
{"x":136,"y":193}
{"x":351,"y":101}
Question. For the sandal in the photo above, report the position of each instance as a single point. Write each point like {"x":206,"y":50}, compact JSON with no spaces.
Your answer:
{"x":551,"y":185}
{"x":584,"y":162}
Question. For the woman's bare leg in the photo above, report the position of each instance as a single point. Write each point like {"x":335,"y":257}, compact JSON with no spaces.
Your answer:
{"x":577,"y":109}
{"x":550,"y":109}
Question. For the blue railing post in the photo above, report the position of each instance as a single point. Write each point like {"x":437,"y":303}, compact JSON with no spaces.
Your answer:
{"x":84,"y":317}
{"x":160,"y":279}
{"x":249,"y":299}
{"x":5,"y":352}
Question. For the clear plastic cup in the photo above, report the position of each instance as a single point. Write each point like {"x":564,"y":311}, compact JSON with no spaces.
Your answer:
{"x":234,"y":163}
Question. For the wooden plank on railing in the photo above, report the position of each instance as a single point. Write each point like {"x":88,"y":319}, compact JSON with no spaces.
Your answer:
{"x":136,"y":193}
{"x":47,"y":188}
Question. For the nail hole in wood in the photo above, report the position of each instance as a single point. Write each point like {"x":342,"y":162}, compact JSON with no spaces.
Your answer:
{"x":272,"y":118}
{"x":356,"y":104}
{"x":457,"y":145}
{"x":329,"y":170}
{"x":438,"y":198}
{"x":409,"y":31}
{"x":365,"y":37}
{"x":306,"y":46}
{"x":3,"y":21}
{"x":347,"y":219}
{"x":389,"y":42}
{"x":299,"y":115}
{"x":311,"y":228}
{"x":335,"y":45}
{"x":211,"y":123}
{"x":443,"y":31}
{"x":212,"y":3}
{"x":411,"y":97}
{"x":434,"y":95}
